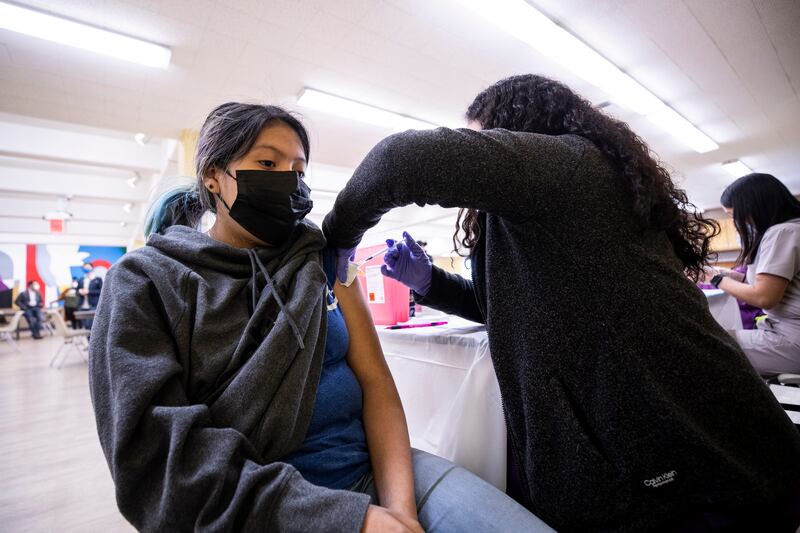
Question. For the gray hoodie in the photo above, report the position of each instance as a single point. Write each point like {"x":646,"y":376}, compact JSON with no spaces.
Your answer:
{"x":204,"y":365}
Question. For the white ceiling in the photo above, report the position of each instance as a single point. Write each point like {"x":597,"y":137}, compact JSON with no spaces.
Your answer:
{"x":732,"y":67}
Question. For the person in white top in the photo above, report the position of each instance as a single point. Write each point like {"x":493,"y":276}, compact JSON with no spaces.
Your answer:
{"x":767,"y":218}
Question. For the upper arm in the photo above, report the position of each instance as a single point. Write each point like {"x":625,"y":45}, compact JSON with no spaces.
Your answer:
{"x":131,"y":356}
{"x":777,"y":263}
{"x":779,"y":253}
{"x":494,"y":171}
{"x":456,"y":168}
{"x":364,"y":354}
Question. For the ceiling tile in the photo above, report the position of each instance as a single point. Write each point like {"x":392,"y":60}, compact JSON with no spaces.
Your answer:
{"x":728,"y":22}
{"x":419,"y":57}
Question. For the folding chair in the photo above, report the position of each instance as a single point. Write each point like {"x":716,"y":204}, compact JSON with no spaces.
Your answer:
{"x":789,"y":398}
{"x":73,"y":338}
{"x":789,"y":379}
{"x":48,"y":316}
{"x":7,"y":329}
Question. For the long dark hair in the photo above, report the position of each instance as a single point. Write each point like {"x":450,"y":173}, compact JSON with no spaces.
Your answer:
{"x":228,"y":133}
{"x":759,"y":201}
{"x":536,"y":104}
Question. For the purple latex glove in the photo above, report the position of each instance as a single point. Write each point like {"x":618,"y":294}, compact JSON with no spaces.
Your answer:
{"x":343,"y":258}
{"x":408,"y":263}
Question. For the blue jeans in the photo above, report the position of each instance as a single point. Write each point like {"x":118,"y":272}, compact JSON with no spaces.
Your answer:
{"x":451,"y":499}
{"x":34,"y":318}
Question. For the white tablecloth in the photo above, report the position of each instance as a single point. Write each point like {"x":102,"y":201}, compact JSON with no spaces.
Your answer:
{"x":724,"y":308}
{"x":450,"y":393}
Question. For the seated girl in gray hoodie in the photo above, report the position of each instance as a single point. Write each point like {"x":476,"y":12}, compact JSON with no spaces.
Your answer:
{"x":238,"y":386}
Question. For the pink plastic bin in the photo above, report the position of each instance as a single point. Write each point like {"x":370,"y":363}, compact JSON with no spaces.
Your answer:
{"x":387,"y":299}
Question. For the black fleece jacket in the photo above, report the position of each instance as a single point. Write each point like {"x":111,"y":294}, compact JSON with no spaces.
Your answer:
{"x":626,"y":404}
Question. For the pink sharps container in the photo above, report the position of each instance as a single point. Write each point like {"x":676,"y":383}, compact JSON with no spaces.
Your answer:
{"x":387,"y":298}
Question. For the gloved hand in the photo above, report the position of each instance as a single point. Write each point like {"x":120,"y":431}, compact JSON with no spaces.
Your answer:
{"x":408,"y":263}
{"x":343,"y":258}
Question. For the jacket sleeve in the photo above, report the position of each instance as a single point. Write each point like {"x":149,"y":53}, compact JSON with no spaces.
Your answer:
{"x":96,"y":287}
{"x":452,"y":168}
{"x":22,"y":301}
{"x":452,"y":294}
{"x":174,"y":468}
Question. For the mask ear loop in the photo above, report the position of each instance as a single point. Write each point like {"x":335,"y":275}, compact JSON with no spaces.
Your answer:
{"x":219,"y":195}
{"x":223,"y":201}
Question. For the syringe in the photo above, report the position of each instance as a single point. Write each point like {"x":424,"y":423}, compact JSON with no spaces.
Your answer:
{"x":353,"y":268}
{"x":373,"y":256}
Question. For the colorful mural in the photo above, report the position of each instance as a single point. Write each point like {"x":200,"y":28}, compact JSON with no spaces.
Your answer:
{"x":52,"y":265}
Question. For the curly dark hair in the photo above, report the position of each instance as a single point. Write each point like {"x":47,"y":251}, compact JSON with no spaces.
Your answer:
{"x":537,"y":104}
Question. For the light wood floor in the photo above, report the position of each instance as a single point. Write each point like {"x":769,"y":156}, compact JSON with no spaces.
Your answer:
{"x":53,"y":476}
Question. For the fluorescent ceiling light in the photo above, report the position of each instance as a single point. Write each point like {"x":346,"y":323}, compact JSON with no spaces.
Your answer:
{"x":524,"y":22}
{"x":63,"y":31}
{"x":677,"y":126}
{"x":353,"y":110}
{"x":736,"y":168}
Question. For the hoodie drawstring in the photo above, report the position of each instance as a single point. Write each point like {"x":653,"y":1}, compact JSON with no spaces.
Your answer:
{"x":253,"y":271}
{"x":256,"y":261}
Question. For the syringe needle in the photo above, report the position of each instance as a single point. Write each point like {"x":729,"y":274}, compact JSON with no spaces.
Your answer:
{"x":373,"y":256}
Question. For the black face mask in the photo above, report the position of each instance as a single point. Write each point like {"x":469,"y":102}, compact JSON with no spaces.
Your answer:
{"x":270,"y":205}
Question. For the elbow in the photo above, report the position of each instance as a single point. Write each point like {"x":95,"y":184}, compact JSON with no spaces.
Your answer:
{"x":767,"y":302}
